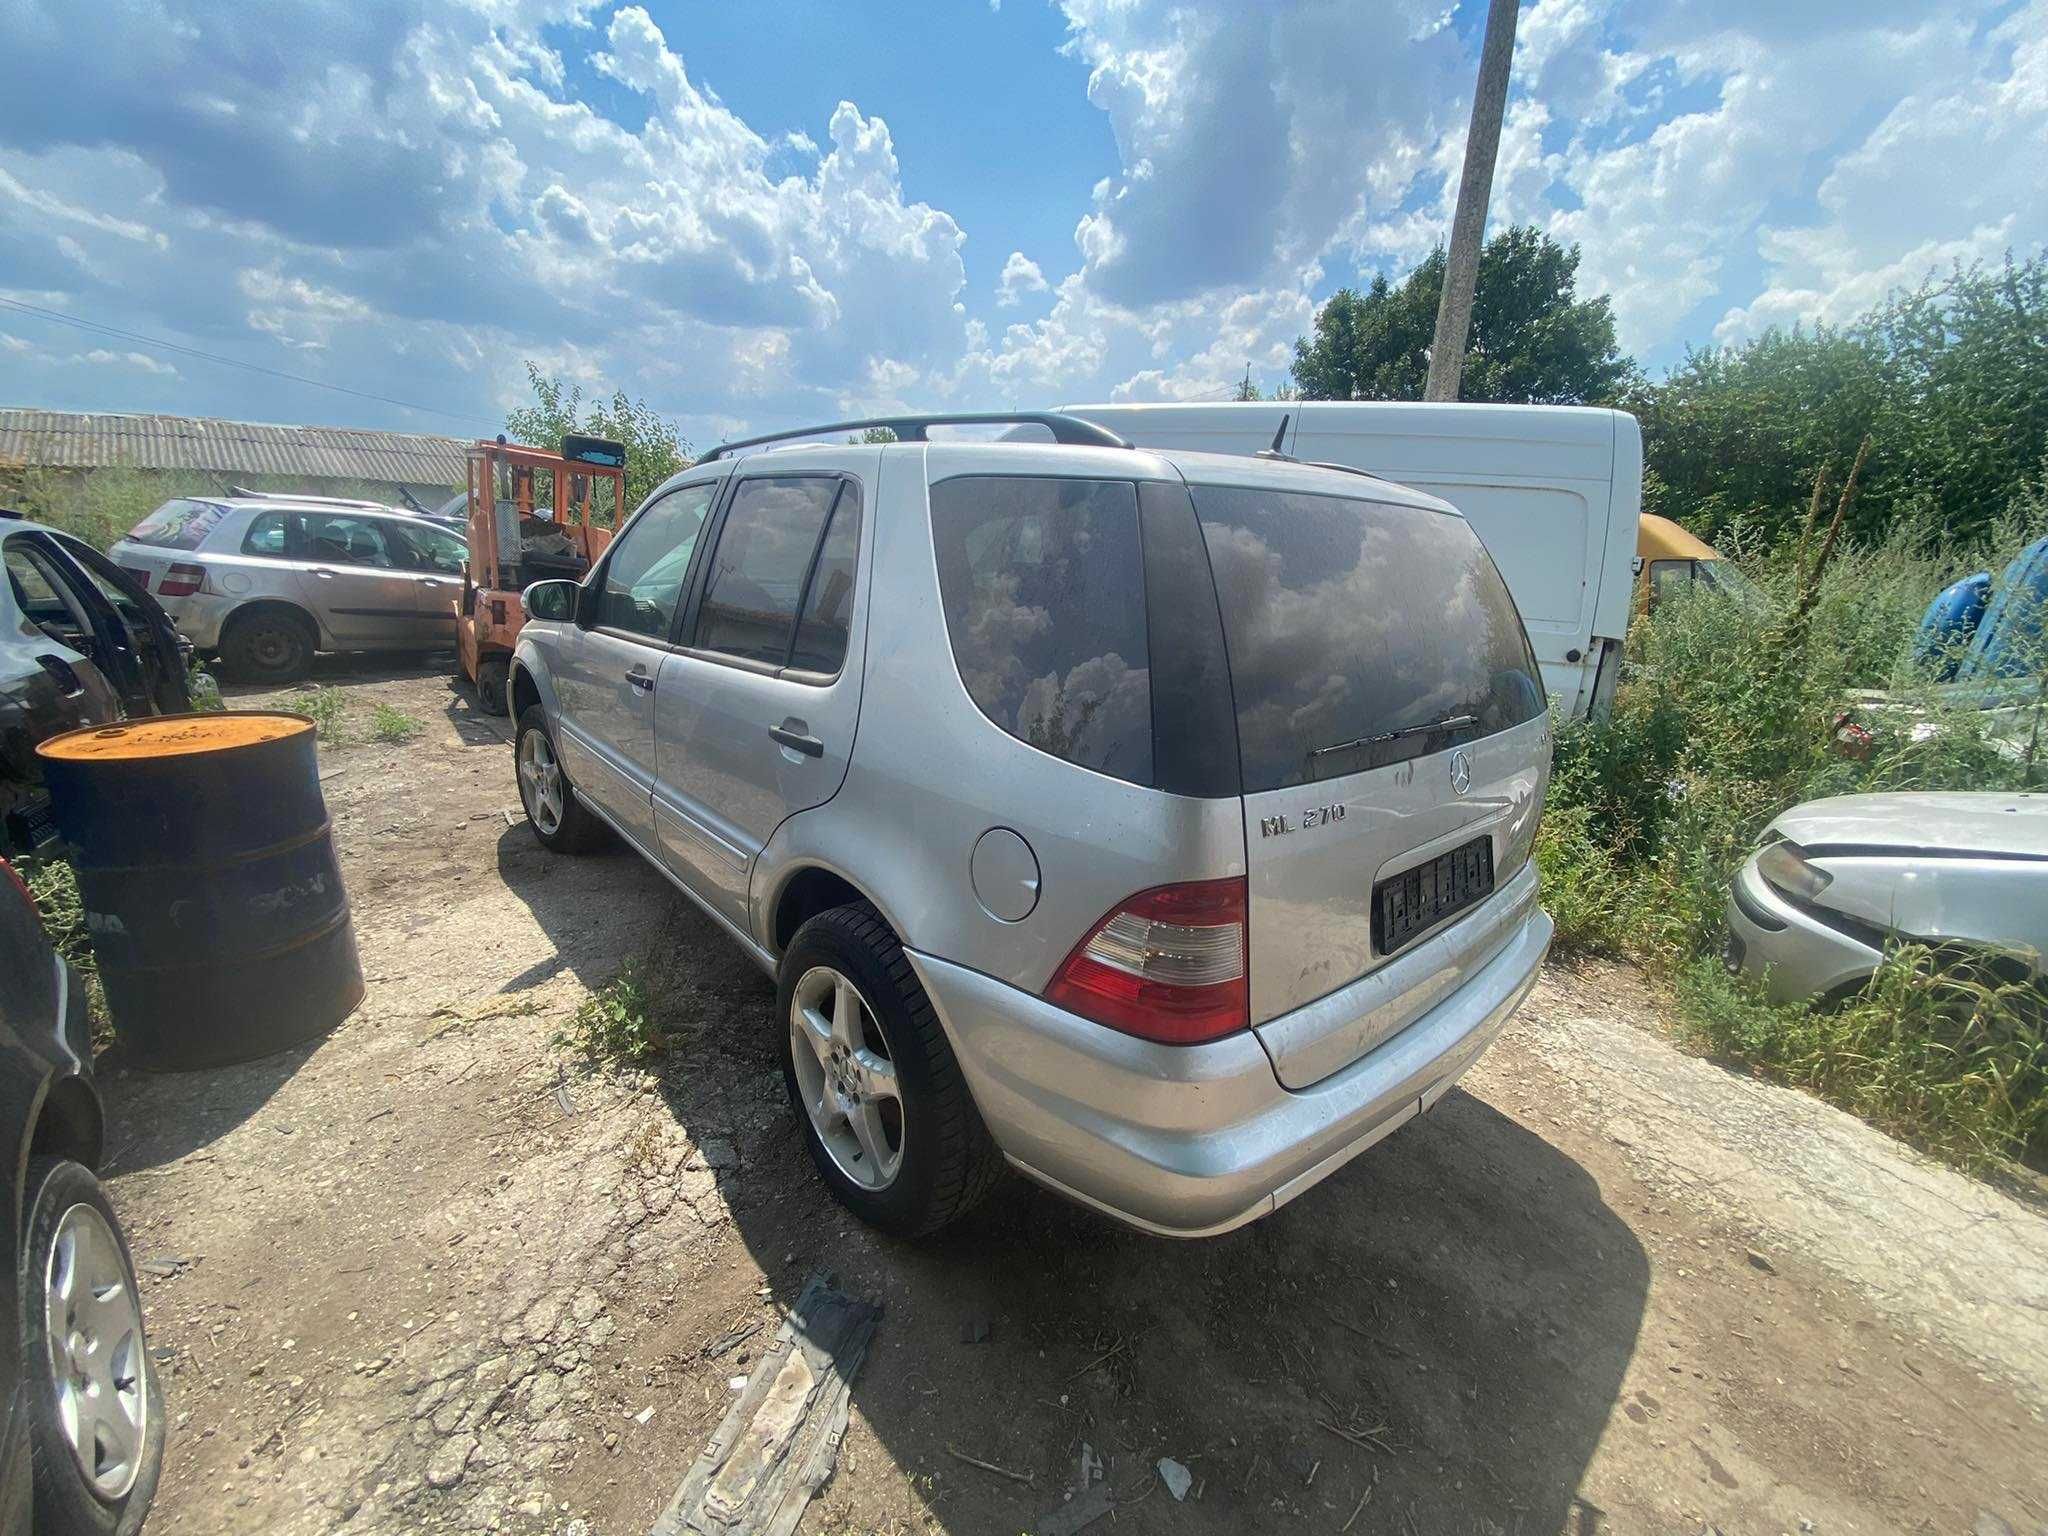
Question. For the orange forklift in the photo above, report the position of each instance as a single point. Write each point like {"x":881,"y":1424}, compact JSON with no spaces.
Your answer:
{"x":533,"y":516}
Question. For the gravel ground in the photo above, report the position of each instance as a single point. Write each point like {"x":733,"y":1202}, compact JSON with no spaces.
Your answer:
{"x":436,"y":1274}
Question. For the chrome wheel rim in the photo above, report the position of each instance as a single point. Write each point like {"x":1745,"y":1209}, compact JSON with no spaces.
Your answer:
{"x":540,"y":781}
{"x":93,"y":1327}
{"x":846,"y":1077}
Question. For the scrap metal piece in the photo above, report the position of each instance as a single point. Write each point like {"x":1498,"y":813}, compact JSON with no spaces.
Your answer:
{"x":778,"y":1444}
{"x":1076,"y":1515}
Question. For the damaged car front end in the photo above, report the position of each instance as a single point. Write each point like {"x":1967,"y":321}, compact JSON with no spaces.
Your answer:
{"x":1837,"y":882}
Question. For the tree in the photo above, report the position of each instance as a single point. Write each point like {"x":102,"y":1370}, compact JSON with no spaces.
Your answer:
{"x":655,"y":446}
{"x":1533,"y":339}
{"x":1949,"y":380}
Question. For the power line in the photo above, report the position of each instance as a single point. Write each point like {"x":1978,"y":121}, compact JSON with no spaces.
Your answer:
{"x":158,"y":342}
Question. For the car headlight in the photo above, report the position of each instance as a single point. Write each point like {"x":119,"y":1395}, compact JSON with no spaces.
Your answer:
{"x":1784,"y":866}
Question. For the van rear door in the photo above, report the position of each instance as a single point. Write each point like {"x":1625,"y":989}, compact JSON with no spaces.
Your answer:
{"x":1394,"y":742}
{"x":1553,"y":493}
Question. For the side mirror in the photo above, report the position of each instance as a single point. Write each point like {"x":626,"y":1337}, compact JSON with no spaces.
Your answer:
{"x":550,"y":600}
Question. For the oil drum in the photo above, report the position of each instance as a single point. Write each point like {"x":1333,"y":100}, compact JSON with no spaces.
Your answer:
{"x":212,"y":894}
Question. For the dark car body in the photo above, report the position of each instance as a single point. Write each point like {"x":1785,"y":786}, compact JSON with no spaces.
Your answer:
{"x":48,"y":1107}
{"x":80,"y":644}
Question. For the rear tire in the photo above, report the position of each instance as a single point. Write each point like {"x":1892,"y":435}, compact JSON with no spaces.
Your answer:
{"x":558,"y":817}
{"x":945,"y":1159}
{"x":96,"y":1258}
{"x":268,"y":647}
{"x":490,"y":685}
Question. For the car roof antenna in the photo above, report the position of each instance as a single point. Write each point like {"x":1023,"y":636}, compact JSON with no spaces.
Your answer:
{"x":1280,"y":432}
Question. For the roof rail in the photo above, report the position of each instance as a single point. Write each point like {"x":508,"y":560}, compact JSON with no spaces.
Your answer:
{"x":1072,"y":430}
{"x":242,"y":491}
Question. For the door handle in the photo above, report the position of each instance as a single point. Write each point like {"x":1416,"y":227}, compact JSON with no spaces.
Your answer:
{"x":639,"y":679}
{"x":796,"y":741}
{"x":323,"y":574}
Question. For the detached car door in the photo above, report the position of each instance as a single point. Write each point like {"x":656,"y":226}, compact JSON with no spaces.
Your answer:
{"x":607,"y":663}
{"x":356,"y":575}
{"x":755,"y":713}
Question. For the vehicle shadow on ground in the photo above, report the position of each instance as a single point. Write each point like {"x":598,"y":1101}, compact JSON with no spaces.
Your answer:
{"x":153,"y":1118}
{"x":1442,"y":1328}
{"x":343,"y":667}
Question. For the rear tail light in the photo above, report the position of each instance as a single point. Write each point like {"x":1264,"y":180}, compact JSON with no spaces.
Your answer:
{"x":181,"y":581}
{"x":1167,"y":965}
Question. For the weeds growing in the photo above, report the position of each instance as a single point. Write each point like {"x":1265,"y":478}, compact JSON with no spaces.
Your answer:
{"x":394,"y":726}
{"x":1727,"y":715}
{"x":325,"y":707}
{"x":616,"y":1022}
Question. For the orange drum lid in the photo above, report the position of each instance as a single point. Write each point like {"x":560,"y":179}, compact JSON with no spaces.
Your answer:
{"x":173,"y":736}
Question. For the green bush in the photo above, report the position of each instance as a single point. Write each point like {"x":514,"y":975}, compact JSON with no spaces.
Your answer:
{"x":1725,"y":717}
{"x":1937,"y":1048}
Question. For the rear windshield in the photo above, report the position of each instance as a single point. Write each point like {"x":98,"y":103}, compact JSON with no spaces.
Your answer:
{"x":1349,"y":621}
{"x":178,"y":524}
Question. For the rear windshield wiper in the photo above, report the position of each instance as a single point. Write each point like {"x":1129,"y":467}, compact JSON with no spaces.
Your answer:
{"x":1448,"y":723}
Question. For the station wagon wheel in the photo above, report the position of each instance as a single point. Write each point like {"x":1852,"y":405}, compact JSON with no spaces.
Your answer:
{"x":268,"y":645}
{"x":540,"y":781}
{"x":846,"y":1077}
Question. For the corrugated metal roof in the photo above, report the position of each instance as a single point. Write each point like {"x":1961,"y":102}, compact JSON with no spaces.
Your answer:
{"x":83,"y":440}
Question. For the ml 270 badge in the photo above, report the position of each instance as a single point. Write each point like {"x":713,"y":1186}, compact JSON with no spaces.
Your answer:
{"x":1314,"y":816}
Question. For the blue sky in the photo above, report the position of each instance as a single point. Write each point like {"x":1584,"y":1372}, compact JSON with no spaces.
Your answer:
{"x":754,"y":215}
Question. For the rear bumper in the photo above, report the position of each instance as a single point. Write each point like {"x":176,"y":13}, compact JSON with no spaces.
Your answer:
{"x":1188,"y":1141}
{"x":199,"y":617}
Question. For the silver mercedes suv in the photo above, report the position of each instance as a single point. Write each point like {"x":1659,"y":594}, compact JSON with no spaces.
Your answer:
{"x":1157,"y":823}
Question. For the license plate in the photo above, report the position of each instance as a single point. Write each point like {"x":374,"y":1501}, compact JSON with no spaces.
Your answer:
{"x":1418,"y":899}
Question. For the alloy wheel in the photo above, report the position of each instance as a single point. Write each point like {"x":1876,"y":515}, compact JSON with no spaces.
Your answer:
{"x":93,"y":1327}
{"x":846,"y":1077}
{"x":540,"y":781}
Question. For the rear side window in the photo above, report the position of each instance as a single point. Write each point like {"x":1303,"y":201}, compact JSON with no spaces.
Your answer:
{"x":1044,"y":594}
{"x":178,"y":524}
{"x":828,"y":603}
{"x":766,"y":548}
{"x":1360,"y":633}
{"x":268,"y":535}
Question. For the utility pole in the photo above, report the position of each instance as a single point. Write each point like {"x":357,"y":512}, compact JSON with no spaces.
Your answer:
{"x":1468,"y":224}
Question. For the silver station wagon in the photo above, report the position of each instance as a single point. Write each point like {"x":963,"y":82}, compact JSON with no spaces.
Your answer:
{"x":266,"y":581}
{"x":1157,"y":823}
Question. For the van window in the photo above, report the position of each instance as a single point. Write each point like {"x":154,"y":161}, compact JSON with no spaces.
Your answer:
{"x":1044,"y":595}
{"x":1347,"y":621}
{"x":765,"y":550}
{"x":178,"y":525}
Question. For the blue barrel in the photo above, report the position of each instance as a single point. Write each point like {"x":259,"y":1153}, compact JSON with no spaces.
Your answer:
{"x":211,"y":889}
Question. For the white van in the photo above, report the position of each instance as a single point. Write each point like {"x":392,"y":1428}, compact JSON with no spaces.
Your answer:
{"x":1554,"y":492}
